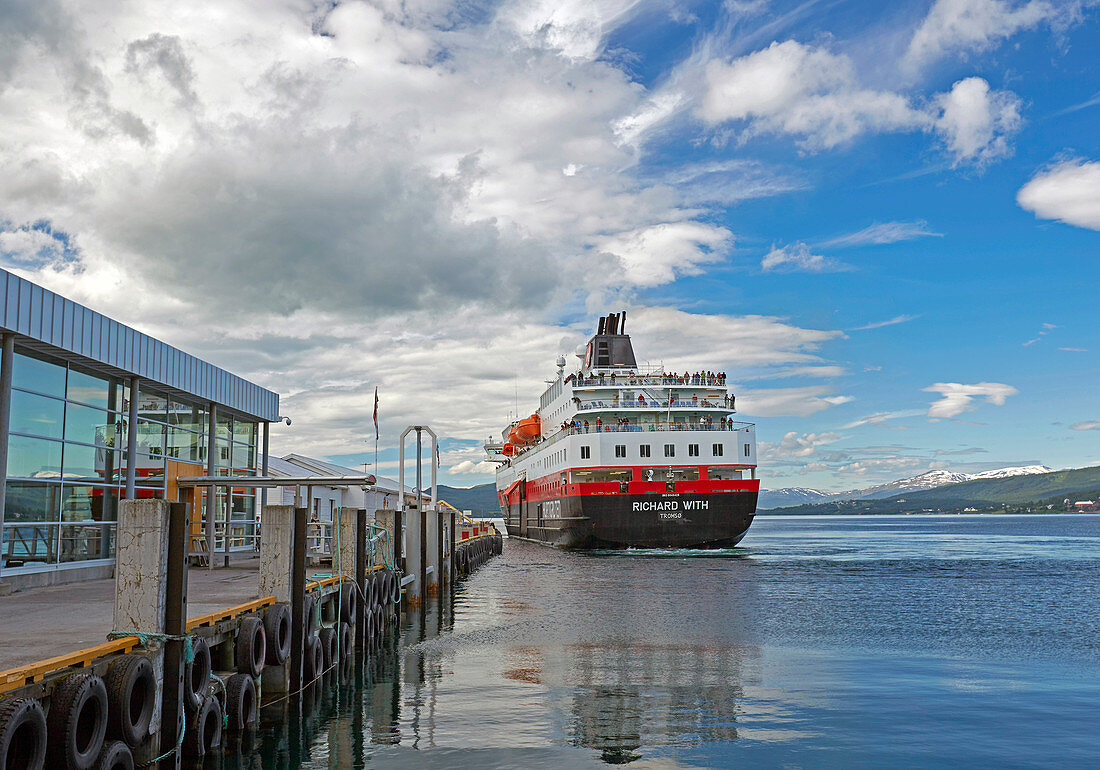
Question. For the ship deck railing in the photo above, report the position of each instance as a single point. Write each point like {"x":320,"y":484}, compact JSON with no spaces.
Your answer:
{"x":586,"y":406}
{"x":661,"y":380}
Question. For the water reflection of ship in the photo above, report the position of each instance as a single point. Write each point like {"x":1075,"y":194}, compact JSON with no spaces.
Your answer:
{"x":627,"y":697}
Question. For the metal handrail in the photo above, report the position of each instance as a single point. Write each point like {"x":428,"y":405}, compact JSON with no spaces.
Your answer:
{"x":664,"y":380}
{"x":586,"y":406}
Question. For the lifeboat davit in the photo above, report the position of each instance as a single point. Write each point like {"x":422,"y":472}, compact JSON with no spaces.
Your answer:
{"x":528,"y":429}
{"x":508,"y":450}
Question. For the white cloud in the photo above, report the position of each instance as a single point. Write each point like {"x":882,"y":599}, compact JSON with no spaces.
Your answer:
{"x":878,"y":418}
{"x":808,"y":92}
{"x":787,"y":402}
{"x":796,"y":89}
{"x":959,"y":26}
{"x":468,"y":466}
{"x":898,"y":319}
{"x":798,"y":257}
{"x":959,"y":398}
{"x":884,"y":232}
{"x":660,"y":253}
{"x":1067,"y":192}
{"x":976,"y":121}
{"x":795,"y":445}
{"x":1086,"y":425}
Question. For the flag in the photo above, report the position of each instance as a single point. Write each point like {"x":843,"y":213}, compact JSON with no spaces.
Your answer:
{"x":375,"y":412}
{"x":437,"y":455}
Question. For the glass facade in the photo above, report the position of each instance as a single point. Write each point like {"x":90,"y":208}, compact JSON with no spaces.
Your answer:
{"x":67,"y":461}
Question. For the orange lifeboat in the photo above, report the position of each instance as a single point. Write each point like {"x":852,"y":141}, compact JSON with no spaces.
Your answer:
{"x":513,"y":439}
{"x":528,"y":429}
{"x":508,"y":450}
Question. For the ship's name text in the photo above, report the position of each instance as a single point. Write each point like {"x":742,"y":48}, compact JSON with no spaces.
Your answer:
{"x":671,"y":505}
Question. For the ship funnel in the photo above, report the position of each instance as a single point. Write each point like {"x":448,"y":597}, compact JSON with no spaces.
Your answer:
{"x":610,"y":347}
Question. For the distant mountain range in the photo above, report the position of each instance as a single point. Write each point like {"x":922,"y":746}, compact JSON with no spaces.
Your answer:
{"x":480,"y":500}
{"x":1020,"y":492}
{"x":782,"y":498}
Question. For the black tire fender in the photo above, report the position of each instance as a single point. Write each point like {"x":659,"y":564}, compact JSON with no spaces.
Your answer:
{"x":131,"y":695}
{"x":115,"y":755}
{"x":328,"y":645}
{"x":349,"y":602}
{"x":379,"y":622}
{"x":277,"y":634}
{"x":309,"y":615}
{"x":204,"y":729}
{"x":368,"y":627}
{"x":241,"y":704}
{"x":77,"y":722}
{"x":314,"y":663}
{"x":196,"y":675}
{"x":22,"y":733}
{"x":395,"y":586}
{"x":346,"y":645}
{"x":251,"y":646}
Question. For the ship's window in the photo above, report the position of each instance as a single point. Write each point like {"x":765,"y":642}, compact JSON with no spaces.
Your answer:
{"x":716,"y":450}
{"x":748,"y":448}
{"x":669,"y":474}
{"x":693,"y":450}
{"x":590,"y":475}
{"x":586,"y":452}
{"x":723,"y":473}
{"x":620,"y":450}
{"x":670,"y":450}
{"x":643,"y":450}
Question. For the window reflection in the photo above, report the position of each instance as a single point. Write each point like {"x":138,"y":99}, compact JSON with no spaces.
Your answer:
{"x":81,"y":542}
{"x":89,"y":463}
{"x":89,"y":503}
{"x":92,"y":426}
{"x":30,"y":501}
{"x":36,"y":414}
{"x":90,"y":389}
{"x":33,"y":458}
{"x":29,"y":545}
{"x":34,"y":374}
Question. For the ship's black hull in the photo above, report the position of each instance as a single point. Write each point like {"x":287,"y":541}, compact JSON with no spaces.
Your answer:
{"x":715,"y":520}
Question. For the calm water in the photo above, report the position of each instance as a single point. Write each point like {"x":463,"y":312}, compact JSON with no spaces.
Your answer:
{"x":821,"y":642}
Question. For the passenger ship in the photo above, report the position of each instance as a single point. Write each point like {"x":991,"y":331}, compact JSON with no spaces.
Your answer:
{"x":617,"y":457}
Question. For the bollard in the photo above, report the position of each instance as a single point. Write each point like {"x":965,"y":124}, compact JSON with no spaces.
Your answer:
{"x":141,"y":594}
{"x":281,"y":575}
{"x":413,"y":539}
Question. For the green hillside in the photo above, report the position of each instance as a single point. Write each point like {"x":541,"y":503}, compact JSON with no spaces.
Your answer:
{"x":1015,"y":493}
{"x":1013,"y":490}
{"x":482,"y":499}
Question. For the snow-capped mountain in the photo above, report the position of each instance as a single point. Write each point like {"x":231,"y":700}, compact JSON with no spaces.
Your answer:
{"x":779,"y":498}
{"x":1001,"y":473}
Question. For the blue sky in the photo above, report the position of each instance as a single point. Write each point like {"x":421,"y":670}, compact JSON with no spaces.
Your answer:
{"x":881,"y":219}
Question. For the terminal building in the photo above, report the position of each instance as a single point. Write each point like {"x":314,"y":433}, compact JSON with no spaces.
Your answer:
{"x":93,"y":411}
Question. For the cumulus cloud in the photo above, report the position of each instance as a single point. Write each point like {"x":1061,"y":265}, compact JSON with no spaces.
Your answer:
{"x":787,"y":402}
{"x":1068,"y":192}
{"x":959,"y":26}
{"x":798,"y":257}
{"x":809,"y":92}
{"x":881,"y":233}
{"x":468,"y":466}
{"x":1086,"y":425}
{"x":797,"y":89}
{"x":959,"y":398}
{"x":661,"y":253}
{"x":796,"y":445}
{"x":976,"y":121}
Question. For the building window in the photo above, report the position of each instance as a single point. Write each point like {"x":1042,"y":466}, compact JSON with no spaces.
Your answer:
{"x":716,"y":450}
{"x":586,"y":452}
{"x":748,"y":448}
{"x":643,"y":450}
{"x":67,"y":461}
{"x":670,"y":450}
{"x":620,"y":450}
{"x":693,"y":450}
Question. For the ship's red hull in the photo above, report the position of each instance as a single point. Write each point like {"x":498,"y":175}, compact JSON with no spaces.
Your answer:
{"x":625,"y":520}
